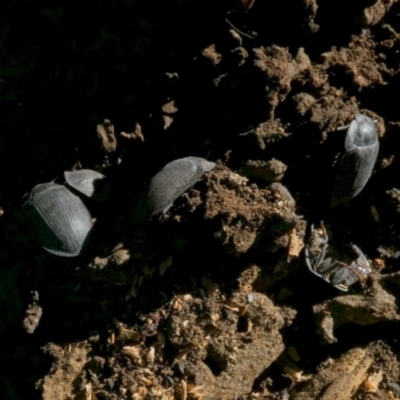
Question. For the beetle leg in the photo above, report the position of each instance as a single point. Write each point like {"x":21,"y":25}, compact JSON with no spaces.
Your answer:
{"x":342,"y":128}
{"x":349,"y":267}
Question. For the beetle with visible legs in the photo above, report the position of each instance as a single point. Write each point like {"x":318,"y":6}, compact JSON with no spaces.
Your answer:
{"x":340,"y":267}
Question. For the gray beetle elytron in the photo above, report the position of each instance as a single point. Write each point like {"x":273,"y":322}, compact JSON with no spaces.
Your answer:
{"x":84,"y":181}
{"x":356,"y":164}
{"x":168,"y":184}
{"x":340,"y":267}
{"x":60,"y":218}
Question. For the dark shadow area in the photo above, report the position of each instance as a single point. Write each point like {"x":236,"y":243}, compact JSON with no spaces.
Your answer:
{"x":181,"y":78}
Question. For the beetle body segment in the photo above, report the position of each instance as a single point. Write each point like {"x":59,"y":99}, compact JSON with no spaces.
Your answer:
{"x":168,"y":184}
{"x":61,"y":219}
{"x":84,"y":181}
{"x":355,"y":166}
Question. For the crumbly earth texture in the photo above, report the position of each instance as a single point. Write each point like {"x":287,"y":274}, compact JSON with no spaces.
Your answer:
{"x":212,"y":300}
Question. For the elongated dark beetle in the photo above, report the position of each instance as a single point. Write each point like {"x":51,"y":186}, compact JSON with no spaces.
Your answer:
{"x":356,"y":163}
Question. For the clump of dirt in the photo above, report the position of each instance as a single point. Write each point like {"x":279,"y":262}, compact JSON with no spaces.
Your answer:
{"x":267,"y":171}
{"x":217,"y":351}
{"x":246,"y":216}
{"x":374,"y":306}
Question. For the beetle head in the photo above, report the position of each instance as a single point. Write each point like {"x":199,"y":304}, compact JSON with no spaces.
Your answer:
{"x":361,"y":132}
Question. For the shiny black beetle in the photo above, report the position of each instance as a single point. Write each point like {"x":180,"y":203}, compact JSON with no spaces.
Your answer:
{"x":168,"y":184}
{"x":356,"y":164}
{"x":60,"y":218}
